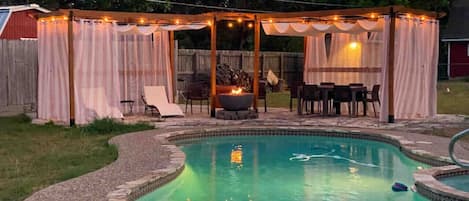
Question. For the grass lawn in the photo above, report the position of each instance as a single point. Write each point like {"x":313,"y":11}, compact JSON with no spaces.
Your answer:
{"x":36,"y":156}
{"x":454,"y":102}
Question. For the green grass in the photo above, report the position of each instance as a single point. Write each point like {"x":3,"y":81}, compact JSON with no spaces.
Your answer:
{"x":36,"y":156}
{"x":456,"y":101}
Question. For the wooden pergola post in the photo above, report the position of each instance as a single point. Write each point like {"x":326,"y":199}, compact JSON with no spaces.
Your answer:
{"x":213,"y":65}
{"x":390,"y":69}
{"x":71,"y":77}
{"x":171,"y":63}
{"x":257,"y":44}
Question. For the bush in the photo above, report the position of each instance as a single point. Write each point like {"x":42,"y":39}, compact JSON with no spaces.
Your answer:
{"x":22,"y":118}
{"x":110,"y":126}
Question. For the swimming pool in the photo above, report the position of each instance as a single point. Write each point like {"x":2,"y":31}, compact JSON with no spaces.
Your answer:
{"x":289,"y":168}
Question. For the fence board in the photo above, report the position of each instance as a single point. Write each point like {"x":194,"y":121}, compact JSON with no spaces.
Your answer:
{"x":18,"y":73}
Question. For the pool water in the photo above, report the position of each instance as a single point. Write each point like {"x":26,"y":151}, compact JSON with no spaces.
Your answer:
{"x":460,"y":182}
{"x":289,"y":168}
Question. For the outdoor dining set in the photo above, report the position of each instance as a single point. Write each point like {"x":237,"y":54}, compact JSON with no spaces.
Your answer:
{"x":330,"y":96}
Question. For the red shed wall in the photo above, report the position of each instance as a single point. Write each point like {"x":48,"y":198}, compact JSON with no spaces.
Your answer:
{"x":459,"y":61}
{"x":21,"y":24}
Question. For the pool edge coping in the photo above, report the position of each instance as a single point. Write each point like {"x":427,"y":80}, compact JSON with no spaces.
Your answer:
{"x":135,"y":189}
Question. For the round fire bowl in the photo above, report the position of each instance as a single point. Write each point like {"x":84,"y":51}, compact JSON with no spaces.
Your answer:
{"x":232,"y":102}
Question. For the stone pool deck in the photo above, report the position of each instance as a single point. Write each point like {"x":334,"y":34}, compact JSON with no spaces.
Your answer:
{"x":142,"y":154}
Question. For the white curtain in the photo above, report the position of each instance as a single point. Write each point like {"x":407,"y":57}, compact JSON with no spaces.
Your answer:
{"x":53,"y":95}
{"x":97,"y":93}
{"x":143,"y":61}
{"x":150,"y":29}
{"x":415,"y":69}
{"x":308,"y":29}
{"x":315,"y":59}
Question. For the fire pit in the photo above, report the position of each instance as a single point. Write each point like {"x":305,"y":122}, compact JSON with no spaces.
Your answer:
{"x":236,"y":105}
{"x":236,"y":100}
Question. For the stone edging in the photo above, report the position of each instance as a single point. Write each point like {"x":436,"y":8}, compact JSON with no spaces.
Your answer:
{"x":133,"y":190}
{"x":427,"y":184}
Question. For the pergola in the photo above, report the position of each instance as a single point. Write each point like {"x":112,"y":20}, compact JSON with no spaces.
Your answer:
{"x":211,"y":18}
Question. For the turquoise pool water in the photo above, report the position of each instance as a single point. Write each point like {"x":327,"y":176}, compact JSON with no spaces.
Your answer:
{"x":289,"y":168}
{"x":460,"y":182}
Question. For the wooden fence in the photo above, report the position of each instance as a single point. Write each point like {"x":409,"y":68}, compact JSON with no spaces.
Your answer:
{"x":19,"y":66}
{"x":18,"y":75}
{"x":286,"y":65}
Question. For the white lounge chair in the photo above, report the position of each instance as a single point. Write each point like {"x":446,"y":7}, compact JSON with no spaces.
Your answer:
{"x":97,"y":104}
{"x":156,"y":96}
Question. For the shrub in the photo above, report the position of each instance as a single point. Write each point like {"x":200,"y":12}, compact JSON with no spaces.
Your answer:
{"x":110,"y":126}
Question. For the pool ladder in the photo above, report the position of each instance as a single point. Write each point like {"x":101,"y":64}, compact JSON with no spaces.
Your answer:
{"x":454,"y":139}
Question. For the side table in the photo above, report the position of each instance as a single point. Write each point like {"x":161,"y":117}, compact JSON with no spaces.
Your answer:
{"x":130,"y":103}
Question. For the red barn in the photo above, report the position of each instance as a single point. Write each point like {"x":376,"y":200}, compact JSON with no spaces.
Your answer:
{"x":457,"y":37}
{"x":17,"y":22}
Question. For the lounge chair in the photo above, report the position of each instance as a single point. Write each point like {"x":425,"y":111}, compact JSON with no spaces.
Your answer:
{"x":155,"y":97}
{"x":97,"y":104}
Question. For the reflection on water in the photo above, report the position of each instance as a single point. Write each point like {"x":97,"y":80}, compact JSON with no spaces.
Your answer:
{"x":272,"y":168}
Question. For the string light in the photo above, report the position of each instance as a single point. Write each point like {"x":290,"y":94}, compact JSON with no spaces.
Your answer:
{"x":408,"y":15}
{"x":141,"y":21}
{"x":250,"y":25}
{"x":209,"y":23}
{"x":239,"y":20}
{"x":106,"y":19}
{"x":336,"y":18}
{"x":270,"y":21}
{"x":42,"y":20}
{"x":373,"y":16}
{"x":177,"y":22}
{"x":65,"y":18}
{"x":423,"y":18}
{"x":230,"y":25}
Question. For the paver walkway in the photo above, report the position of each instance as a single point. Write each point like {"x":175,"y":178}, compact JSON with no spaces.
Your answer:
{"x":140,"y":153}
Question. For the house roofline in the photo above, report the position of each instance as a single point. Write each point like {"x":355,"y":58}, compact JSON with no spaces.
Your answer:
{"x":2,"y":26}
{"x":26,"y":7}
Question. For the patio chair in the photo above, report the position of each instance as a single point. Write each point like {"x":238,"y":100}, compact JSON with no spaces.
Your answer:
{"x":310,"y":94}
{"x":342,"y":94}
{"x":263,"y":93}
{"x":155,"y":96}
{"x":197,"y":91}
{"x":374,"y":97}
{"x":294,"y":91}
{"x":360,"y":96}
{"x":330,"y":95}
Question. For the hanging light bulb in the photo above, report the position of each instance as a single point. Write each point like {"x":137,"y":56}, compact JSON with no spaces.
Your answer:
{"x":239,"y":20}
{"x":141,"y":21}
{"x":65,"y":18}
{"x":177,"y":21}
{"x":230,"y":25}
{"x":270,"y":21}
{"x":336,"y":18}
{"x":408,"y":15}
{"x":106,"y":19}
{"x":250,"y":25}
{"x":209,"y":22}
{"x":52,"y":19}
{"x":373,"y":16}
{"x":423,"y":18}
